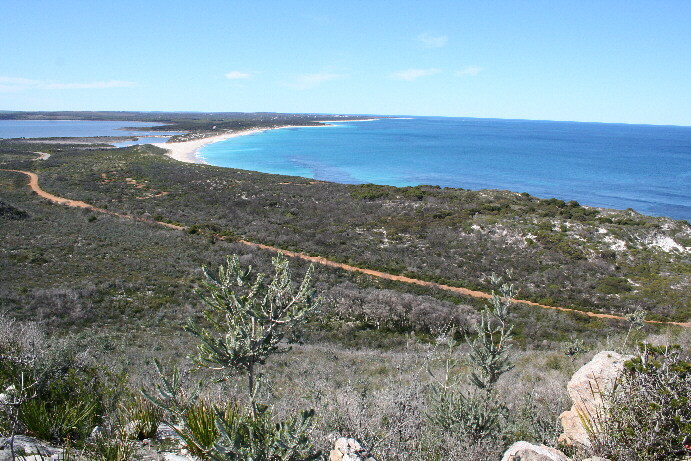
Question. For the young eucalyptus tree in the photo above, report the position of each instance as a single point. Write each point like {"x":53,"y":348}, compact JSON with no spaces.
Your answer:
{"x":474,"y":410}
{"x":249,"y":318}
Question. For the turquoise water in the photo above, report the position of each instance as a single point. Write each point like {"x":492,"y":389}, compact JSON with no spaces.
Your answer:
{"x":72,"y":128}
{"x":644,"y":167}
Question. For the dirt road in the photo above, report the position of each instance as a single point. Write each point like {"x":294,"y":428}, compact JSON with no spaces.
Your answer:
{"x":33,"y":183}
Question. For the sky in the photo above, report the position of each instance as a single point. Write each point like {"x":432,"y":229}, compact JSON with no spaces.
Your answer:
{"x":623,"y":61}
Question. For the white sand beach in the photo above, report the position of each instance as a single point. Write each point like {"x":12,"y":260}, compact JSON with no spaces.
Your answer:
{"x":186,"y":151}
{"x":348,"y":121}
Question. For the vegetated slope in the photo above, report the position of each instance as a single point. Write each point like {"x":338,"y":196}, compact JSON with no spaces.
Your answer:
{"x":35,"y":187}
{"x":561,"y":253}
{"x":98,"y":275}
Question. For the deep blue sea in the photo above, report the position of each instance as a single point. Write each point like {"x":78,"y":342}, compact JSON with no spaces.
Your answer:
{"x":644,"y":167}
{"x":77,"y":128}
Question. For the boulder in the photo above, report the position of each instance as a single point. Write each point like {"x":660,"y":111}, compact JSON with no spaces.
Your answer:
{"x":525,"y":451}
{"x":165,"y":431}
{"x":349,"y":450}
{"x":131,"y":429}
{"x":177,"y":457}
{"x":97,"y":431}
{"x":587,"y":387}
{"x":29,"y":447}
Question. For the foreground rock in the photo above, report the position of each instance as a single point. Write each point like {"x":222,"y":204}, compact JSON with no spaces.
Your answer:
{"x":524,"y":451}
{"x":587,"y":387}
{"x":177,"y":457}
{"x":28,"y":449}
{"x":349,"y":450}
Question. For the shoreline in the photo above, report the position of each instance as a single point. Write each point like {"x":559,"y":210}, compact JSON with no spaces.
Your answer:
{"x":348,"y":121}
{"x":188,"y":151}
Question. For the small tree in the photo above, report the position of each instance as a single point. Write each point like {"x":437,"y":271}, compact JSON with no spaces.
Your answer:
{"x":248,"y":319}
{"x":636,"y":321}
{"x":477,"y":413}
{"x":490,"y":350}
{"x":572,"y":349}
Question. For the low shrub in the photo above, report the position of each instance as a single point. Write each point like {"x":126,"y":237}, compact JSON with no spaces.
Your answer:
{"x":65,"y":409}
{"x":48,"y":391}
{"x":144,"y":416}
{"x":649,"y":415}
{"x":199,"y":431}
{"x":117,"y":447}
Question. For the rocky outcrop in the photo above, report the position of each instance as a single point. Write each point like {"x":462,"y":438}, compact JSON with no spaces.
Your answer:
{"x":176,"y":457}
{"x":587,"y":387}
{"x":29,"y":448}
{"x":165,"y":431}
{"x":524,"y":451}
{"x":349,"y":450}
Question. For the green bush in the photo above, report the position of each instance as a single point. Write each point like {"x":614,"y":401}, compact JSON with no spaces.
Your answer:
{"x":117,"y":447}
{"x":56,"y":416}
{"x":145,"y":416}
{"x":49,"y":392}
{"x":249,"y":319}
{"x":231,"y":433}
{"x":199,"y":430}
{"x":245,"y":436}
{"x":476,"y":414}
{"x":57,"y":404}
{"x":649,"y":415}
{"x":613,"y":285}
{"x":369,"y":191}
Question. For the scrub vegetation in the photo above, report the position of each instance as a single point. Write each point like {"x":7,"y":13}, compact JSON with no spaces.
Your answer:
{"x":381,"y":361}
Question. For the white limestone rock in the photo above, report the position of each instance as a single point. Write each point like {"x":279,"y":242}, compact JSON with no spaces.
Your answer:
{"x":525,"y":451}
{"x":29,"y":447}
{"x":349,"y":450}
{"x":587,"y":388}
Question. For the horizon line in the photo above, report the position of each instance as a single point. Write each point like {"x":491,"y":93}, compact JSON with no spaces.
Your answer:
{"x":4,"y":111}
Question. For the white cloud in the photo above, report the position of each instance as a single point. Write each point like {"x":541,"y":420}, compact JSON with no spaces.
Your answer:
{"x":470,"y":70}
{"x":17,"y":81}
{"x":432,"y":41}
{"x":89,"y":85}
{"x":414,"y":74}
{"x":305,"y":81}
{"x":236,"y":74}
{"x":14,"y":84}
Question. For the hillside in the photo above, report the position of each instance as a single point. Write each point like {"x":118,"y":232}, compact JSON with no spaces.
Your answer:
{"x":562,"y":253}
{"x":111,"y":293}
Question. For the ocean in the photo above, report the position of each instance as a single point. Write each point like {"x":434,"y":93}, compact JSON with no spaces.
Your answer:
{"x":644,"y":167}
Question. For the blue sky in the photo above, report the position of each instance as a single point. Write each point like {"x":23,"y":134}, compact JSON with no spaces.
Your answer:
{"x":607,"y":61}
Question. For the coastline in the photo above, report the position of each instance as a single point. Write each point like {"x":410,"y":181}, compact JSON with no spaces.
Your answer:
{"x":348,"y":121}
{"x":188,"y":151}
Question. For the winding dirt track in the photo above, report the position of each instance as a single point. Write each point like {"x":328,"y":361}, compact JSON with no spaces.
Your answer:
{"x":33,"y":183}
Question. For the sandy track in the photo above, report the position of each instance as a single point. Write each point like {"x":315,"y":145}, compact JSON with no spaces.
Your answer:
{"x":33,"y":183}
{"x":462,"y":291}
